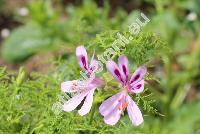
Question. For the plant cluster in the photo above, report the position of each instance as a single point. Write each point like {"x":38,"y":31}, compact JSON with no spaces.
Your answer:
{"x":168,"y":46}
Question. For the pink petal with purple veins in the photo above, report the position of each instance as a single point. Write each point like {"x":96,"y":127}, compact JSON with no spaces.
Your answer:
{"x":113,"y":117}
{"x":137,"y":87}
{"x":134,"y":112}
{"x":72,"y":103}
{"x":82,"y":57}
{"x":108,"y":105}
{"x":70,"y":86}
{"x":123,"y":65}
{"x":138,"y":75}
{"x":115,"y":71}
{"x":87,"y":103}
{"x":96,"y":82}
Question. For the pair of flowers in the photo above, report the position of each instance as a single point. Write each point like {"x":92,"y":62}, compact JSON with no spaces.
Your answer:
{"x":112,"y":108}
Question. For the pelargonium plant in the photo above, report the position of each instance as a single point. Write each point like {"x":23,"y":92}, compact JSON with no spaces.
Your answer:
{"x":112,"y":108}
{"x":83,"y":88}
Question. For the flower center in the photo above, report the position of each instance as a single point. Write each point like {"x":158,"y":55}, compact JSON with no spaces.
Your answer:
{"x":125,"y":89}
{"x":122,"y":101}
{"x":124,"y":105}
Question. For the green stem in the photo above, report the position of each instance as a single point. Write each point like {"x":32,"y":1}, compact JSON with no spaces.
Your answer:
{"x":92,"y":113}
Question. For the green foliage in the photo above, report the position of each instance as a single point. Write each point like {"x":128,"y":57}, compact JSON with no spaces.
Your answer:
{"x":144,"y":47}
{"x":26,"y":106}
{"x":42,"y":13}
{"x":168,"y":45}
{"x":44,"y":29}
{"x":189,"y":122}
{"x":1,"y":4}
{"x":26,"y":41}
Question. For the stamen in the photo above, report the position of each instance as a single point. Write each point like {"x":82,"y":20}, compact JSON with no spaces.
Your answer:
{"x":124,"y":105}
{"x":74,"y":85}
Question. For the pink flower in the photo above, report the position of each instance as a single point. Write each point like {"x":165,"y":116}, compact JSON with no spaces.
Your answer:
{"x":83,"y":89}
{"x":112,"y":108}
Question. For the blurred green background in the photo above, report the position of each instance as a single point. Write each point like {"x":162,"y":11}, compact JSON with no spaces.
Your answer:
{"x":37,"y":43}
